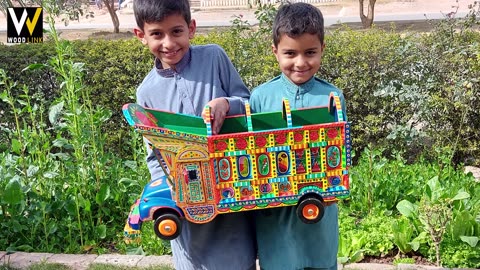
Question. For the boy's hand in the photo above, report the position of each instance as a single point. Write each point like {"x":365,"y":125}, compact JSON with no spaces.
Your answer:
{"x":219,"y":108}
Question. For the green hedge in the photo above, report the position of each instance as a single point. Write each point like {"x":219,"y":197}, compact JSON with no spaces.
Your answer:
{"x":114,"y":70}
{"x":405,"y":92}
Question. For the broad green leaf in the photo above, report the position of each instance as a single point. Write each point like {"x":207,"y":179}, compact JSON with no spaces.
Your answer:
{"x":71,"y":208}
{"x":50,"y":175}
{"x":101,"y":231}
{"x":13,"y":192}
{"x":4,"y":96}
{"x":462,"y":224}
{"x":60,"y":142}
{"x":344,"y":246}
{"x":434,"y":187}
{"x":61,"y":156}
{"x":359,"y":241}
{"x":80,"y":200}
{"x":461,"y":195}
{"x":406,"y":208}
{"x":34,"y":66}
{"x":52,"y":227}
{"x":127,"y":182}
{"x":32,"y":170}
{"x":415,"y":245}
{"x":131,"y":164}
{"x":402,"y":233}
{"x":357,"y":256}
{"x":103,"y":194}
{"x":16,"y":146}
{"x":55,"y":112}
{"x":471,"y":240}
{"x":88,"y":205}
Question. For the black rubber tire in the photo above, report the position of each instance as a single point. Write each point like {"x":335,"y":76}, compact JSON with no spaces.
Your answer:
{"x":165,"y":217}
{"x":309,"y":202}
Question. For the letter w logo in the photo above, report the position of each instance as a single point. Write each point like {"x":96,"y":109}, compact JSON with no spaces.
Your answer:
{"x":20,"y":23}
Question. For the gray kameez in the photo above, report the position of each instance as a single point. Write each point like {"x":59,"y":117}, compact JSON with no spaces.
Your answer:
{"x":204,"y":73}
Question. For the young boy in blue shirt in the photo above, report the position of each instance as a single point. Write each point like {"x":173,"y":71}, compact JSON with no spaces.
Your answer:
{"x":284,"y":241}
{"x":184,"y":79}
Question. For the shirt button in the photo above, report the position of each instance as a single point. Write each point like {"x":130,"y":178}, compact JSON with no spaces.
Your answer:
{"x":298,"y":97}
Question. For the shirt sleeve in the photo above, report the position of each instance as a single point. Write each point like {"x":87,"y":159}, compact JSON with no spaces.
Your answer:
{"x":255,"y":102}
{"x":237,"y":92}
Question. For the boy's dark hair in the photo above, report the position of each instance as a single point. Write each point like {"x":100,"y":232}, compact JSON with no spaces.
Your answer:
{"x":295,"y":19}
{"x":150,"y":11}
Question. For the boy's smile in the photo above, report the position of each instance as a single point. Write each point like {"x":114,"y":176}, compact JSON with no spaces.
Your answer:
{"x":169,"y":39}
{"x":299,"y":58}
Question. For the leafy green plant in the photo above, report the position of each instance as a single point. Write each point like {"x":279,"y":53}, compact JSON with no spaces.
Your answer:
{"x":61,"y":191}
{"x":149,"y":243}
{"x":435,"y":217}
{"x":370,"y":235}
{"x":402,"y":236}
{"x":380,"y":183}
{"x":392,"y":181}
{"x":459,"y":254}
{"x":350,"y":248}
{"x":433,"y":212}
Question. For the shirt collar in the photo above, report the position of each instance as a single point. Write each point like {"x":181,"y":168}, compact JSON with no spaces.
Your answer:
{"x":179,"y":67}
{"x":300,"y":89}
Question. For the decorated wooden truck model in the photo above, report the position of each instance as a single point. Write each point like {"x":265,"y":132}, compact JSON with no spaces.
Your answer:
{"x":257,"y":161}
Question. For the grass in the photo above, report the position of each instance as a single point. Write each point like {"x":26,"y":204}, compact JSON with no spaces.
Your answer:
{"x":403,"y":261}
{"x":95,"y":266}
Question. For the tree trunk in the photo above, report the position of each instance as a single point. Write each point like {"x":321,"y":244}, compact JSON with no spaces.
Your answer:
{"x":367,"y":20}
{"x":110,"y":4}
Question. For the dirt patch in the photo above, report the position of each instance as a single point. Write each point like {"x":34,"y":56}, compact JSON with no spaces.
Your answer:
{"x":389,"y":259}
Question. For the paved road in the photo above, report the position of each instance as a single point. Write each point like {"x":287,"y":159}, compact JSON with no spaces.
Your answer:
{"x":226,"y":21}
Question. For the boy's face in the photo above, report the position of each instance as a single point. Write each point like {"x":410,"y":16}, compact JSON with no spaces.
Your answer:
{"x":169,"y":39}
{"x":299,"y":58}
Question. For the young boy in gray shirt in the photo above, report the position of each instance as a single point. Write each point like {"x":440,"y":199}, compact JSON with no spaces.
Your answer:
{"x":183,"y":80}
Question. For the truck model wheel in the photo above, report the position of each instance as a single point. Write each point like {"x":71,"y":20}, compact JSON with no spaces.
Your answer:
{"x":310,"y":210}
{"x":167,"y":226}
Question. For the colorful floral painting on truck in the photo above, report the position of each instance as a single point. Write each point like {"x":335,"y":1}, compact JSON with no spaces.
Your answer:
{"x":258,"y":161}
